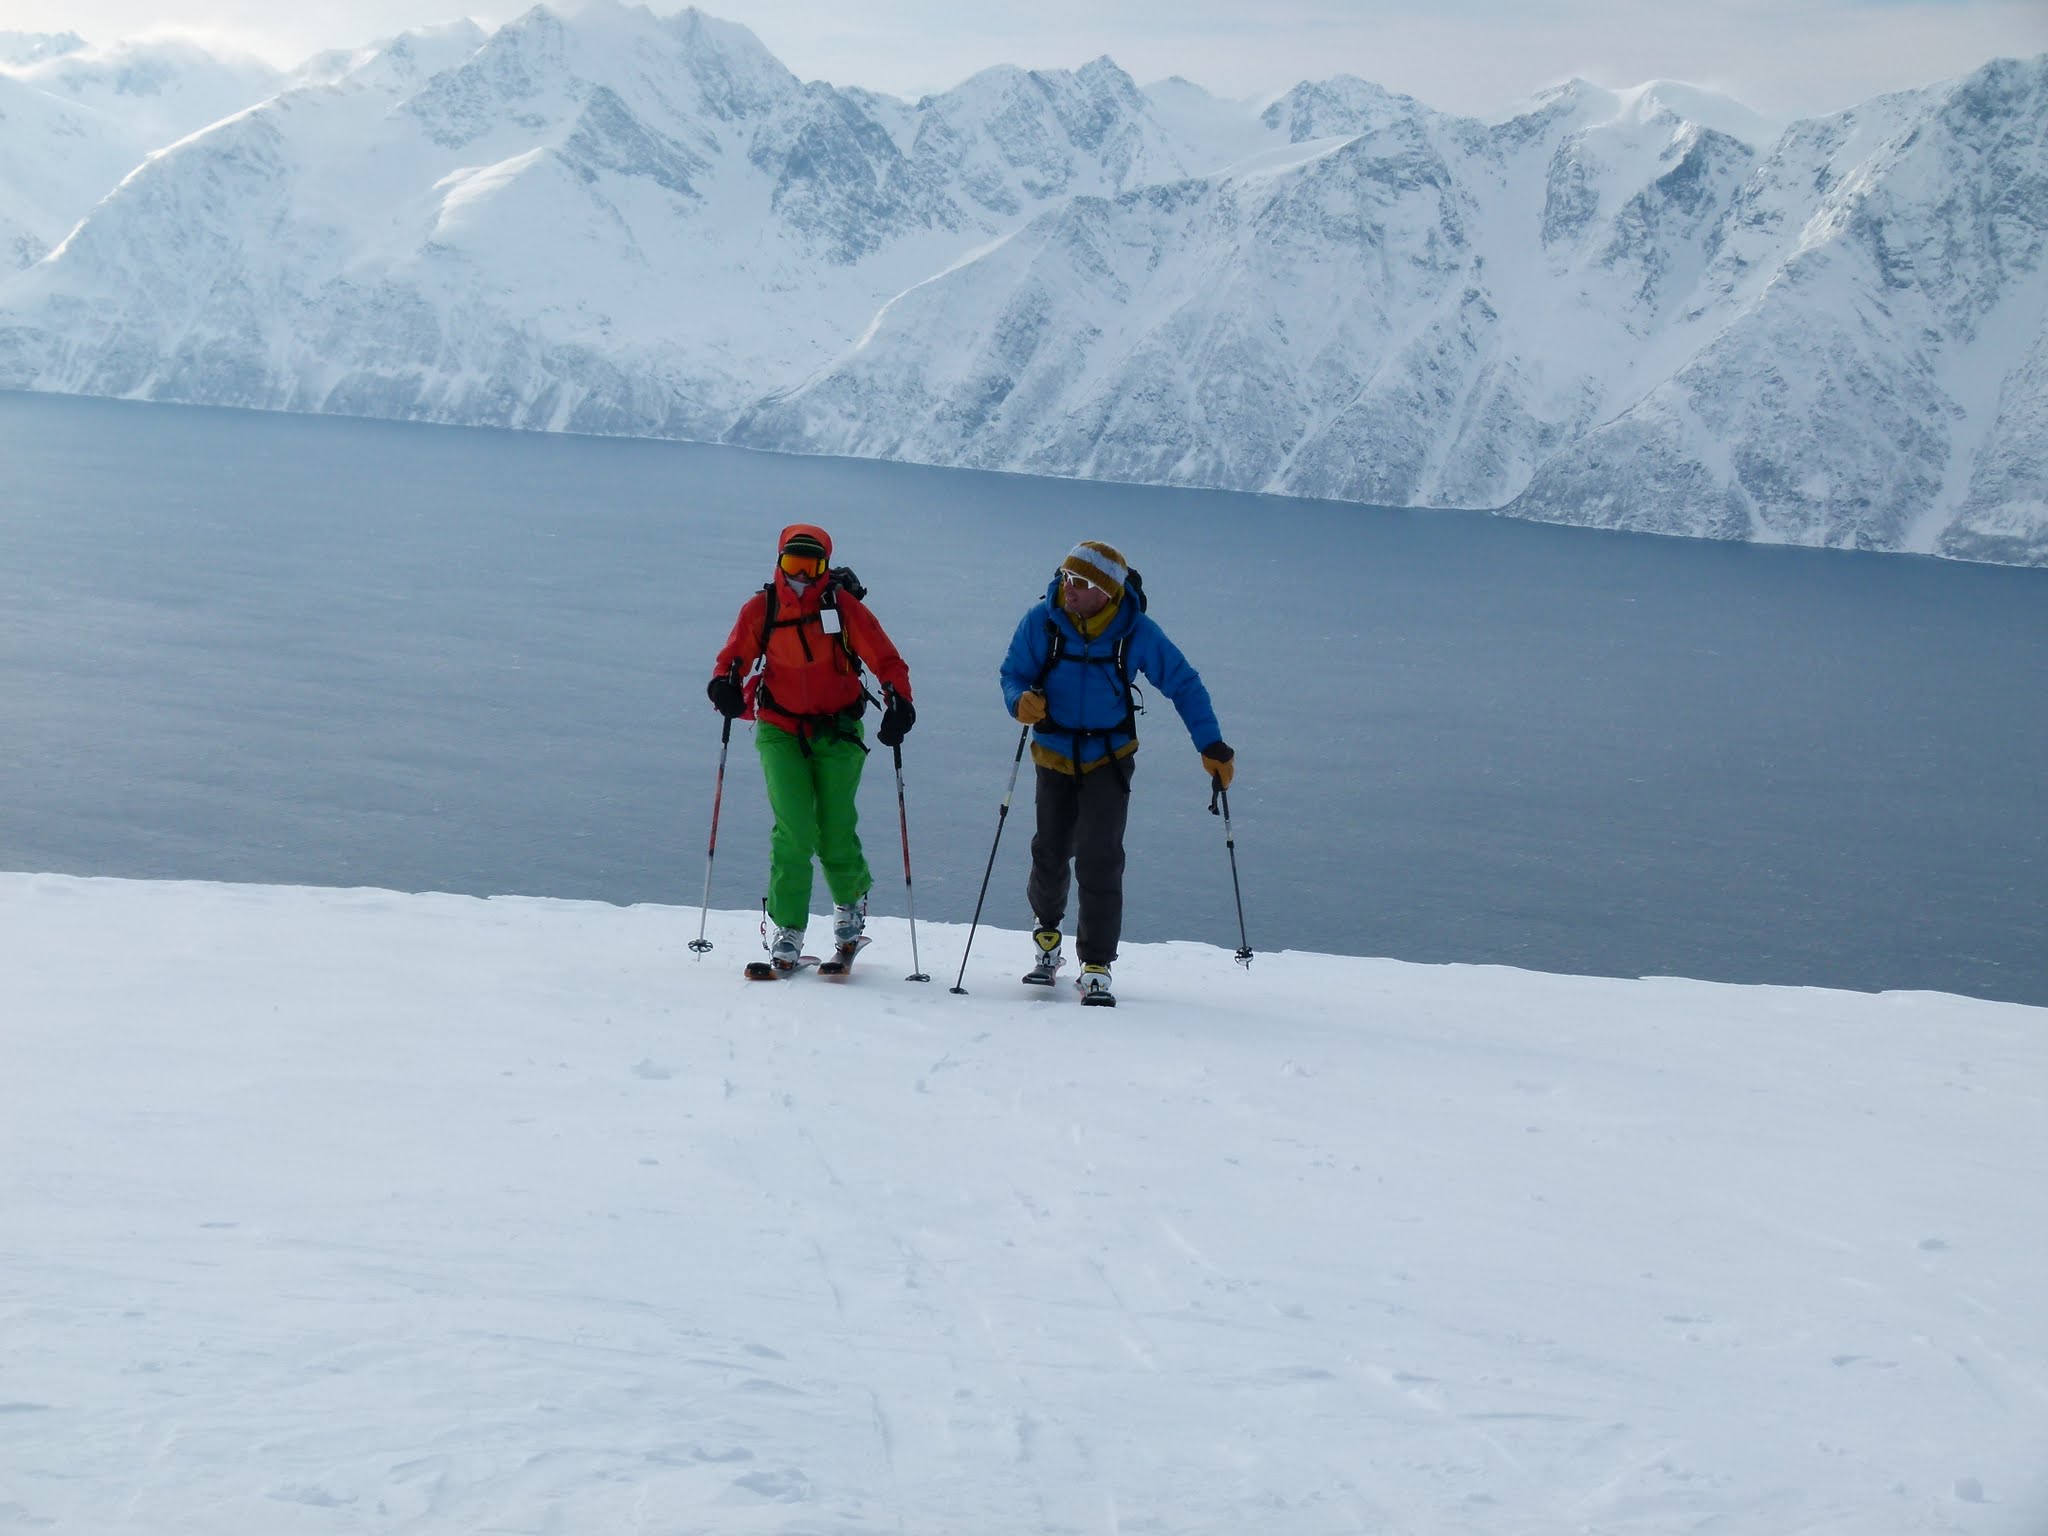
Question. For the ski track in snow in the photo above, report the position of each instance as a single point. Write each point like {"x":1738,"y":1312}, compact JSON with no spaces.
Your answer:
{"x":351,"y":1211}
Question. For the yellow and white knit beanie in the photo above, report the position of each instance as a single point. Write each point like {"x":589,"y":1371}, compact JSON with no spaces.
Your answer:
{"x":1100,"y":565}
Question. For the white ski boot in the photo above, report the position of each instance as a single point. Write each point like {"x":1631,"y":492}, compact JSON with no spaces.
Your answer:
{"x":849,"y":922}
{"x":1046,"y":966}
{"x":1094,"y":984}
{"x":786,"y":948}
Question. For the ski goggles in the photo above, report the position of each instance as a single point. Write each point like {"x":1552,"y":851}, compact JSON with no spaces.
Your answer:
{"x":807,"y":566}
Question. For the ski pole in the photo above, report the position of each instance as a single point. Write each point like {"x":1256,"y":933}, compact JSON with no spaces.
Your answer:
{"x":700,"y":944}
{"x":1218,"y":793}
{"x":909,"y":896}
{"x":1001,"y":816}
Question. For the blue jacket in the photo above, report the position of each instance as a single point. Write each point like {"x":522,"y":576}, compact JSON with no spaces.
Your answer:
{"x":1086,"y":696}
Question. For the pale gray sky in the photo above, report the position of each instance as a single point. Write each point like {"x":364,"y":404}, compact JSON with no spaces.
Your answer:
{"x":1785,"y":57}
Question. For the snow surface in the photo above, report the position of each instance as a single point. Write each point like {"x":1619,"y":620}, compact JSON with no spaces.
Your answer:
{"x":349,"y":1211}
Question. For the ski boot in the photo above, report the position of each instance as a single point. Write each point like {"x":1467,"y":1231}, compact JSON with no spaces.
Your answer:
{"x":1094,"y":984}
{"x":785,"y":957}
{"x":849,"y":922}
{"x":1046,"y":966}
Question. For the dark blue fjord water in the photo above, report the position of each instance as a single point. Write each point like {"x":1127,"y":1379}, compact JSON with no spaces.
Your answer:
{"x":271,"y":648}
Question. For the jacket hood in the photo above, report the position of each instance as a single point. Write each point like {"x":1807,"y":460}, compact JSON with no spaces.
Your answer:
{"x":824,"y":538}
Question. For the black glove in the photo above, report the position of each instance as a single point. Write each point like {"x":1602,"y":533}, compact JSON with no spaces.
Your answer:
{"x":726,"y":697}
{"x":897,"y":720}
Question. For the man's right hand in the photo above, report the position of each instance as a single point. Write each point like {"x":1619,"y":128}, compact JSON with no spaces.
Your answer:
{"x":726,"y":697}
{"x":1030,"y":707}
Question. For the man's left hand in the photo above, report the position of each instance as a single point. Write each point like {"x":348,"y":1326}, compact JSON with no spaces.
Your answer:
{"x":1218,"y":762}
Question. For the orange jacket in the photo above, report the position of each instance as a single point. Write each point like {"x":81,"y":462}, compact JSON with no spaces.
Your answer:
{"x":805,"y":670}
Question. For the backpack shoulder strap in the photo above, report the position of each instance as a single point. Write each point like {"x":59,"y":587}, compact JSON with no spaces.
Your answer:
{"x":1055,"y":647}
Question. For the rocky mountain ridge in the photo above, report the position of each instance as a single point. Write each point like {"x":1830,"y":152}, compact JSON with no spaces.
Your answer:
{"x":1643,"y":309}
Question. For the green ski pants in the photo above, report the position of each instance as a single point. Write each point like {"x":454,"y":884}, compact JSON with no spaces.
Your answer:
{"x":812,"y":800}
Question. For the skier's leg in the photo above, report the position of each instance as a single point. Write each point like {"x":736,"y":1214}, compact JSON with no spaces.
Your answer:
{"x":1052,"y":845}
{"x":836,"y":767}
{"x":1105,"y":807}
{"x":793,"y":798}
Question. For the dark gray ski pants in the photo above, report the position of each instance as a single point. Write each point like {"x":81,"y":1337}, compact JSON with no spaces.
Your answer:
{"x":1081,"y":824}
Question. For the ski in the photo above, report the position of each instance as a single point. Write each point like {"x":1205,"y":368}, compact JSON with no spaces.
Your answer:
{"x":767,"y":970}
{"x":1042,"y":976}
{"x":1096,"y":995}
{"x":841,"y":963}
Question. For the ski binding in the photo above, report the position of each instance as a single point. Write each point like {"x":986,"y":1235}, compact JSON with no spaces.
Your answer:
{"x":1097,"y":995}
{"x":841,"y":963}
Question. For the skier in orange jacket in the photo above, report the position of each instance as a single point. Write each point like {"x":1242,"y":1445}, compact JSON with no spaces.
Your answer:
{"x":793,"y":664}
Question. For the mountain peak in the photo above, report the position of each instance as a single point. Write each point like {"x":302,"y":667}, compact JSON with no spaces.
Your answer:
{"x":1696,"y":104}
{"x":19,"y":48}
{"x":1341,"y":106}
{"x":1589,"y":105}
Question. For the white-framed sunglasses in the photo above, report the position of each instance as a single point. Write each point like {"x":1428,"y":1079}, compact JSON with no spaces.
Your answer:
{"x":1082,"y":582}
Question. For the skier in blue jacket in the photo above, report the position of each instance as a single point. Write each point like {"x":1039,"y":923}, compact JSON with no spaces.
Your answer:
{"x":1067,"y":676}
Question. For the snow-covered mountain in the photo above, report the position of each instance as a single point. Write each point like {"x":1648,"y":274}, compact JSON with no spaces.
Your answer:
{"x":17,"y":48}
{"x":75,"y":120}
{"x":1644,"y":308}
{"x":1872,"y":339}
{"x":608,"y":222}
{"x":160,"y":88}
{"x":1389,"y":306}
{"x":56,"y":159}
{"x":1609,"y":309}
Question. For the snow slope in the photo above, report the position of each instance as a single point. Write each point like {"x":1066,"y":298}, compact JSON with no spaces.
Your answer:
{"x":56,"y":160}
{"x":353,"y":1211}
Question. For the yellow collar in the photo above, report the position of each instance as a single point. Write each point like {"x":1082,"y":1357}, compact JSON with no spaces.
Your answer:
{"x":1092,"y":628}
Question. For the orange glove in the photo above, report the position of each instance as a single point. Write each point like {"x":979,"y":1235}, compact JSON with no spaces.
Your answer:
{"x":1030,"y":707}
{"x":1219,"y":762}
